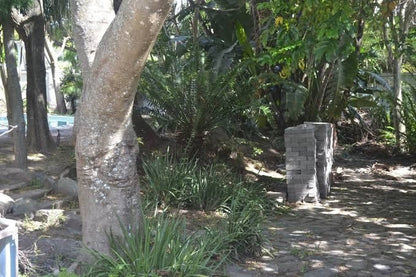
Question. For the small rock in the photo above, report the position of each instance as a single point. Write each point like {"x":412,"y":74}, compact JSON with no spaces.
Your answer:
{"x":6,"y":203}
{"x":66,"y":186}
{"x":32,"y":194}
{"x":13,"y":170}
{"x":24,"y":206}
{"x":43,"y":179}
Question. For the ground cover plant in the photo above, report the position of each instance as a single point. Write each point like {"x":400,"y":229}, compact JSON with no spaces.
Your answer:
{"x":163,"y":246}
{"x":160,"y":248}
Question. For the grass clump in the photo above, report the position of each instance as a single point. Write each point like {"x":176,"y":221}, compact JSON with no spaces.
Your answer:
{"x":245,"y":217}
{"x":183,"y":183}
{"x":160,"y":248}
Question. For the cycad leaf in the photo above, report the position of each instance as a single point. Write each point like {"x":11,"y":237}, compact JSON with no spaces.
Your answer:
{"x":347,"y":72}
{"x":242,"y":39}
{"x":296,"y":96}
{"x":344,"y":80}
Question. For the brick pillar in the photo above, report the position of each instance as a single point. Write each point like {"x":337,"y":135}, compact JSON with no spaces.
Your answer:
{"x":324,"y":155}
{"x":301,"y":179}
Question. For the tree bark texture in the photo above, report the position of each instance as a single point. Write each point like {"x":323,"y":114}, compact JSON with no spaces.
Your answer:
{"x":14,"y":97}
{"x":106,"y":145}
{"x":3,"y":75}
{"x":31,"y":29}
{"x":400,"y":22}
{"x":52,"y":58}
{"x":400,"y":128}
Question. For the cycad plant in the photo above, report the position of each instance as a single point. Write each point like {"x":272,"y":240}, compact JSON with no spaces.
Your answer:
{"x":188,"y":96}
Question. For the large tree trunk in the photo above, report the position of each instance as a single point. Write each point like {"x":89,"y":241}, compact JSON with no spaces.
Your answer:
{"x":14,"y":97}
{"x":32,"y":30}
{"x":106,"y":145}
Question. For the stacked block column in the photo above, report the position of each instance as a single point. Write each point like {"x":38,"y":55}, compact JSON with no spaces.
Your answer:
{"x":324,"y":155}
{"x":301,"y":175}
{"x":309,"y":159}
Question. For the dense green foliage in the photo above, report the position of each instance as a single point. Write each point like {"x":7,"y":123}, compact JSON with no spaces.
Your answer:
{"x":163,"y":246}
{"x":185,"y":184}
{"x":188,"y":97}
{"x":293,"y":61}
{"x":160,"y":248}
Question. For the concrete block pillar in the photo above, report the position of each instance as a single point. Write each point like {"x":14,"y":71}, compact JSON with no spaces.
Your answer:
{"x":309,"y":159}
{"x":324,"y":155}
{"x":301,"y":175}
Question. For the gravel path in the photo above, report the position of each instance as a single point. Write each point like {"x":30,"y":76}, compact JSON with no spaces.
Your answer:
{"x":366,"y":228}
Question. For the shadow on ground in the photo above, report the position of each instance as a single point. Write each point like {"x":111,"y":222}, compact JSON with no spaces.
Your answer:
{"x":365,"y":228}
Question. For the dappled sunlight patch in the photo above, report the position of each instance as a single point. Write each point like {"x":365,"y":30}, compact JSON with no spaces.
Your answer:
{"x":6,"y":158}
{"x":406,"y":248}
{"x":44,"y":220}
{"x":271,"y":228}
{"x":372,"y":236}
{"x":351,"y":241}
{"x":337,"y":211}
{"x":36,"y":157}
{"x":258,"y":168}
{"x":399,"y":226}
{"x":376,"y":220}
{"x":252,"y":265}
{"x":341,"y":253}
{"x":266,"y":267}
{"x":299,"y":233}
{"x":315,"y":264}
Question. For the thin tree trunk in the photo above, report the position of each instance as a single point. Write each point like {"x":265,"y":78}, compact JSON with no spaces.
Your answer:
{"x":398,"y":99}
{"x":256,"y":26}
{"x":3,"y":75}
{"x":31,"y":30}
{"x":52,"y":58}
{"x":14,"y":97}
